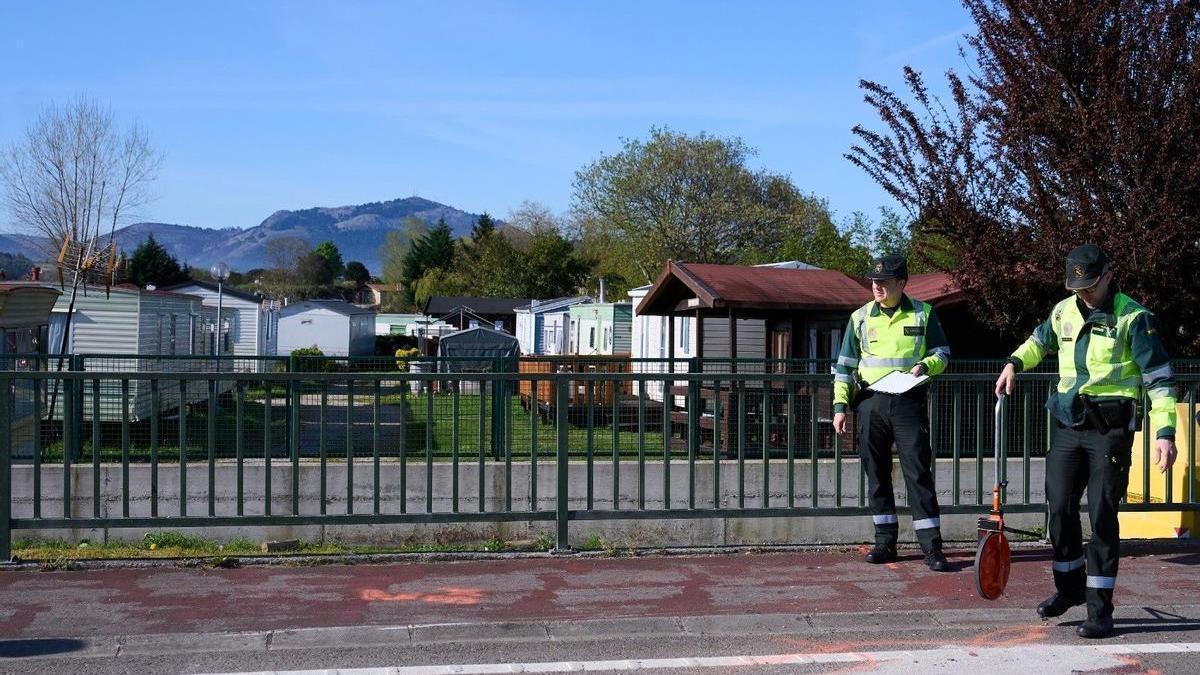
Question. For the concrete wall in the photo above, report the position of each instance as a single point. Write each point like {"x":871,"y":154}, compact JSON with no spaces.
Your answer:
{"x":678,"y":532}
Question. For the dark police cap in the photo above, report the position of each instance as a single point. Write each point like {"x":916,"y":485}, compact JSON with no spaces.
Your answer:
{"x":1085,"y":265}
{"x":888,"y":267}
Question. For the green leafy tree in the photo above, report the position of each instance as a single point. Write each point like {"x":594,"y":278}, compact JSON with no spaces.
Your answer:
{"x":675,"y":196}
{"x":549,"y":267}
{"x":357,"y":273}
{"x":152,"y":264}
{"x":333,"y":258}
{"x":313,"y":270}
{"x":433,"y":250}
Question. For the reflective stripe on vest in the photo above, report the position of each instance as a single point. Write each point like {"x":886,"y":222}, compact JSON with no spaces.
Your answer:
{"x":884,"y":342}
{"x":1111,"y":368}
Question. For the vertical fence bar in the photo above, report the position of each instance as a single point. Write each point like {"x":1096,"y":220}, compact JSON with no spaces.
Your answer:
{"x":124,"y":447}
{"x":1026,"y":442}
{"x":668,"y":400}
{"x":37,"y":448}
{"x":69,"y":440}
{"x":155,"y":411}
{"x":765,"y":432}
{"x":212,"y":447}
{"x":693,"y":431}
{"x":6,"y":431}
{"x":429,"y":422}
{"x":403,"y":452}
{"x":1146,"y":433}
{"x":790,"y":420}
{"x":322,"y":448}
{"x":589,"y":417}
{"x":641,"y":444}
{"x":183,"y":448}
{"x":561,"y":513}
{"x":979,"y":429}
{"x":742,"y":444}
{"x":716,"y":467}
{"x":377,"y":386}
{"x":96,"y":447}
{"x":455,"y":410}
{"x":239,"y":432}
{"x":616,"y":444}
{"x":294,"y":387}
{"x":482,"y":442}
{"x":349,"y":446}
{"x":956,"y":429}
{"x":533,"y":443}
{"x":1192,"y":423}
{"x":814,"y":482}
{"x":267,"y":393}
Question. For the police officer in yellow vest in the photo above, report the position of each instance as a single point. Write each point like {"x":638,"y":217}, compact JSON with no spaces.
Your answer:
{"x":893,"y":333}
{"x":1109,"y":353}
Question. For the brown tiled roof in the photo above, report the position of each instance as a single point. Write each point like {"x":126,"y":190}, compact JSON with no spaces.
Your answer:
{"x":936,"y":288}
{"x":718,"y":286}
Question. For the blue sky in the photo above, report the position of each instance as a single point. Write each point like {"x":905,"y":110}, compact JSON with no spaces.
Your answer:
{"x":258,"y":106}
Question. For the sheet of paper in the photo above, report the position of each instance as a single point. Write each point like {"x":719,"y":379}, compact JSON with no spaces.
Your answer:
{"x":896,"y":382}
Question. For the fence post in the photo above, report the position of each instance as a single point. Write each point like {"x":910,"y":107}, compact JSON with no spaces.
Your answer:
{"x":6,"y":467}
{"x":76,"y":392}
{"x":561,"y":463}
{"x":693,"y":428}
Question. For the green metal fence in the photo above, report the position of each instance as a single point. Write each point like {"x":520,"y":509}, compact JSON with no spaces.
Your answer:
{"x":337,"y":446}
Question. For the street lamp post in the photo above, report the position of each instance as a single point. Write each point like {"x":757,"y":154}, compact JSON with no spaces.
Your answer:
{"x":220,"y":272}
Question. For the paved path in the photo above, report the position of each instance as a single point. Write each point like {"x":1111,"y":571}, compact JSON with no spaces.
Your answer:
{"x":583,"y":609}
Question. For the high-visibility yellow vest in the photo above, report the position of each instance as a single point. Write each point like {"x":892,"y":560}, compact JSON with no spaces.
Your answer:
{"x":896,"y":342}
{"x":1111,"y":368}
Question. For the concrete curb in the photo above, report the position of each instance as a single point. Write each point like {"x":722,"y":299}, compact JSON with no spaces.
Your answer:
{"x":1134,"y":547}
{"x":813,"y":625}
{"x":301,"y":559}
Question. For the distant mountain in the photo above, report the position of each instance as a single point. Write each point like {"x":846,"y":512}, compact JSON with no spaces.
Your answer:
{"x":358,"y":231}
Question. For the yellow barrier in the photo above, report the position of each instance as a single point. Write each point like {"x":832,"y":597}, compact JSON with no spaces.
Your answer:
{"x":1164,"y":524}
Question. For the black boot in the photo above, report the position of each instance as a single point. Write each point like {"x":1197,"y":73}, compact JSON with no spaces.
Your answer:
{"x":1099,"y":623}
{"x":882,"y":553}
{"x":1057,"y":605}
{"x":1095,"y":628}
{"x":936,"y":560}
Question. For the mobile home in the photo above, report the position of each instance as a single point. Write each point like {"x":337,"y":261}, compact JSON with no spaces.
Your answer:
{"x":336,"y":328}
{"x":251,"y":323}
{"x":542,"y":325}
{"x":126,"y":329}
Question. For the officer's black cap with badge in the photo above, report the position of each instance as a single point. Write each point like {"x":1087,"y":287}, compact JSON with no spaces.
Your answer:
{"x":1085,"y":265}
{"x":888,"y":267}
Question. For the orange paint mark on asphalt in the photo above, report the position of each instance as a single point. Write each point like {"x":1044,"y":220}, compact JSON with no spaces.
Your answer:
{"x":443,"y":596}
{"x":891,"y":566}
{"x":1011,"y":637}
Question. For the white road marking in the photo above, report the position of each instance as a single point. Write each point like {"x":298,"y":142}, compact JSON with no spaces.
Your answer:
{"x":952,"y":659}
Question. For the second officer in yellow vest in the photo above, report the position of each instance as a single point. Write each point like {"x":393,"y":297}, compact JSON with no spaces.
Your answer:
{"x":1109,"y":354}
{"x":893,"y":333}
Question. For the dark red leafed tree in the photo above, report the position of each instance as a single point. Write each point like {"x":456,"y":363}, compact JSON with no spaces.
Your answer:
{"x":1080,"y":122}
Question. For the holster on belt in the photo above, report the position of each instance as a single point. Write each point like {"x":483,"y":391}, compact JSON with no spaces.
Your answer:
{"x":1109,"y":414}
{"x":1094,"y":415}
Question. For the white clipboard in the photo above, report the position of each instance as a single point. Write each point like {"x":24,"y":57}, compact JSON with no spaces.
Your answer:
{"x":897,"y":382}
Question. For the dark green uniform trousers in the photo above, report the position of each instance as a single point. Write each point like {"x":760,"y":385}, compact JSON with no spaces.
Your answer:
{"x":1085,"y":459}
{"x":883,"y":420}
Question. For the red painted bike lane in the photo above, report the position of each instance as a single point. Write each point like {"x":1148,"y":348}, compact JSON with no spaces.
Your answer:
{"x":274,"y":597}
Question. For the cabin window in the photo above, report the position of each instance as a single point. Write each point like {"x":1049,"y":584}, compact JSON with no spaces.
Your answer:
{"x":592,"y":337}
{"x":608,"y":338}
{"x":171,"y":348}
{"x":685,"y":334}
